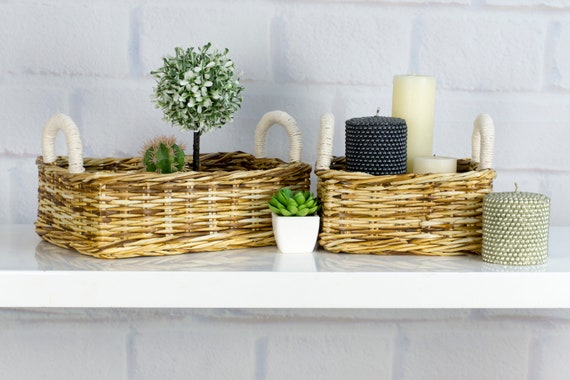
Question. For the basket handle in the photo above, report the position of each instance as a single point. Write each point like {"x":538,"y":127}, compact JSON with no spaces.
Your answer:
{"x":72,"y":137}
{"x":324,"y":149}
{"x":287,"y":122}
{"x":483,"y":141}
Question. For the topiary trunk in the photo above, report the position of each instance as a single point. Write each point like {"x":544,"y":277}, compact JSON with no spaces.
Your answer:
{"x":196,"y":152}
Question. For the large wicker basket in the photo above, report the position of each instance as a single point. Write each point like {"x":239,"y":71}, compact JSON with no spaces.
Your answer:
{"x":423,"y":214}
{"x":112,"y":208}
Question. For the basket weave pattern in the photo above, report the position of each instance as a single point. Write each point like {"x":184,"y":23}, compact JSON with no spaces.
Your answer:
{"x":112,"y":208}
{"x":432,"y":214}
{"x":423,"y":214}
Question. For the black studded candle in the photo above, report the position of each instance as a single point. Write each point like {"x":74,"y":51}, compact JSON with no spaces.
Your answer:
{"x":376,"y":145}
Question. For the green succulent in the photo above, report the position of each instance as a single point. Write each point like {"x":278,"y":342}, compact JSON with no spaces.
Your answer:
{"x":288,"y":203}
{"x":163,"y":155}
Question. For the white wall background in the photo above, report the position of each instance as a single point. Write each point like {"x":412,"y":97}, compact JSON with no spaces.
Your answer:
{"x":91,"y":59}
{"x":272,"y":345}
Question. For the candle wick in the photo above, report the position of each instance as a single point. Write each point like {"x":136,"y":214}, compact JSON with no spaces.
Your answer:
{"x":378,"y":111}
{"x":516,"y":187}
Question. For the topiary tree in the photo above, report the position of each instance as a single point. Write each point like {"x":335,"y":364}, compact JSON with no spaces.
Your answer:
{"x":198,"y":89}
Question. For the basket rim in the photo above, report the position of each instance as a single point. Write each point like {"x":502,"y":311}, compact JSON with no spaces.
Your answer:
{"x":327,"y":173}
{"x":60,"y":166}
{"x":360,"y":178}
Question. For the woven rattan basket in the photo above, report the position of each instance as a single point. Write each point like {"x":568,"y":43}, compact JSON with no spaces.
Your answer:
{"x":112,"y":208}
{"x":423,"y":214}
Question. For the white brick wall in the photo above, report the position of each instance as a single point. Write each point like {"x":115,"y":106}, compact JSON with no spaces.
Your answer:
{"x":44,"y":349}
{"x":343,"y":44}
{"x":508,"y":58}
{"x":551,"y":363}
{"x":494,"y":52}
{"x":209,"y":351}
{"x":92,"y":60}
{"x":49,"y":38}
{"x":263,"y":344}
{"x":561,"y":65}
{"x":466,"y":350}
{"x":243,"y":27}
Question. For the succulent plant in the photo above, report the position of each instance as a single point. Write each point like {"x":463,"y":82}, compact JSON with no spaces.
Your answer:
{"x":288,"y":203}
{"x":163,"y":155}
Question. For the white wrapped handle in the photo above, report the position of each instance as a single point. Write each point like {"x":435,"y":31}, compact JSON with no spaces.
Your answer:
{"x":325,"y":147}
{"x":290,"y":125}
{"x":72,"y":137}
{"x":483,"y":141}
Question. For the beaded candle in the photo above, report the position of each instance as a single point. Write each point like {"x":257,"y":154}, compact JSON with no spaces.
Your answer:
{"x":515,"y":228}
{"x":376,"y":145}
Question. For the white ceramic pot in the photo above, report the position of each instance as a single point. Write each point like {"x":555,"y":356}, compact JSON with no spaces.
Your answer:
{"x":295,"y":234}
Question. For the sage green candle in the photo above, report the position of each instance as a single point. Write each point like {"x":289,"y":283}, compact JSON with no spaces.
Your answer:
{"x":515,"y":228}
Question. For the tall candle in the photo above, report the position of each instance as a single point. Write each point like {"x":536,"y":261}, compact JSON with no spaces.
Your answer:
{"x":413,"y":99}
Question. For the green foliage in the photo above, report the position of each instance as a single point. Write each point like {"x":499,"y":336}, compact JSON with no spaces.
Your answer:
{"x":197,"y":88}
{"x":288,"y":203}
{"x":163,"y":155}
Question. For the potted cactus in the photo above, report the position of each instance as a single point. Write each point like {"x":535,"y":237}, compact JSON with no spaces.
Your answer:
{"x":295,"y":220}
{"x":163,"y":155}
{"x":197,"y":89}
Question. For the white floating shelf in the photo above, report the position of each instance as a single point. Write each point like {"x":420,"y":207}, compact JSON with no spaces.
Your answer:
{"x":34,"y":273}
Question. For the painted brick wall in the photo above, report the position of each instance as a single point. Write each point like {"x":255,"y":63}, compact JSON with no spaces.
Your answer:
{"x":91,"y":60}
{"x":98,"y":344}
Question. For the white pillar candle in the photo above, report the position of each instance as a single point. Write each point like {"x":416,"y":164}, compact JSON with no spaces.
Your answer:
{"x":434,"y":164}
{"x":413,"y":99}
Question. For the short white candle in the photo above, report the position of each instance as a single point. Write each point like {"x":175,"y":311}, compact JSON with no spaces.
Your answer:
{"x":413,"y":99}
{"x":434,"y":164}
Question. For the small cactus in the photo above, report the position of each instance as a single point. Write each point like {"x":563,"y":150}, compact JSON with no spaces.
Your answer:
{"x":288,"y":203}
{"x":163,"y":155}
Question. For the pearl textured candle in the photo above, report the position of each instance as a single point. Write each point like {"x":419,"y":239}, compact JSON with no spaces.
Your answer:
{"x":413,"y":99}
{"x":515,"y":228}
{"x":376,"y":145}
{"x":434,"y":164}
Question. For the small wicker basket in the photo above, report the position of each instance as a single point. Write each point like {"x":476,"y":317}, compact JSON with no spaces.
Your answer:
{"x":112,"y":208}
{"x":423,"y":214}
